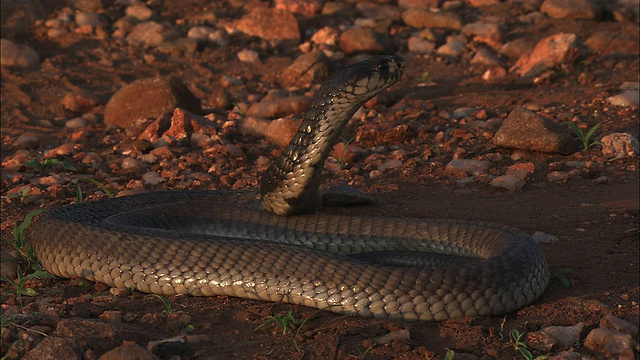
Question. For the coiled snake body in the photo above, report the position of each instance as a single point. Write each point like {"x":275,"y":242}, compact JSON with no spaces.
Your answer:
{"x":208,"y":243}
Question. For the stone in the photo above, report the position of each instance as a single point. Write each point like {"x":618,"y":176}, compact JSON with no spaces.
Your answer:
{"x":27,"y":141}
{"x":485,"y":57}
{"x":270,"y":24}
{"x":209,"y":34}
{"x":453,"y":47}
{"x":148,"y":33}
{"x":544,"y":238}
{"x":139,"y":11}
{"x":148,"y":98}
{"x":80,"y":101}
{"x":609,"y":341}
{"x":326,"y":36}
{"x":270,"y":108}
{"x":489,"y":33}
{"x":88,"y":18}
{"x":419,"y":18}
{"x":517,"y":47}
{"x":468,"y":166}
{"x":365,"y":40}
{"x":307,"y":69}
{"x":564,"y":336}
{"x":609,"y":42}
{"x":420,"y":46}
{"x":629,"y":98}
{"x":619,"y":145}
{"x":128,"y":351}
{"x":623,"y":326}
{"x":570,"y":9}
{"x":378,"y":11}
{"x":524,"y":129}
{"x":249,"y":56}
{"x":17,"y":56}
{"x":561,"y":48}
{"x":509,"y":181}
{"x":302,"y":7}
{"x":281,"y":131}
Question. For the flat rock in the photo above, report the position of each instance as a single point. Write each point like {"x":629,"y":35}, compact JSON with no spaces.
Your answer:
{"x":307,"y":69}
{"x":570,"y":9}
{"x":148,"y":98}
{"x":365,"y":40}
{"x":17,"y":56}
{"x":524,"y":129}
{"x":468,"y":166}
{"x":551,"y":51}
{"x":564,"y":336}
{"x":270,"y":24}
{"x":419,"y":18}
{"x":628,"y":98}
{"x":509,"y":182}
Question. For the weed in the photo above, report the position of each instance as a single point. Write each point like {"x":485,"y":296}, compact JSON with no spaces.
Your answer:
{"x":167,"y":305}
{"x":289,"y":324}
{"x":24,"y":192}
{"x":515,"y":338}
{"x":449,"y":355}
{"x":48,"y":163}
{"x":340,"y":159}
{"x":363,"y":354}
{"x":24,"y":252}
{"x":425,"y":77}
{"x":79,"y":196}
{"x":560,"y":274}
{"x":100,"y":185}
{"x":19,"y":285}
{"x":586,"y":139}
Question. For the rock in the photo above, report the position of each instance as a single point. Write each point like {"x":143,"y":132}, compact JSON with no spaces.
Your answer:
{"x":9,"y":268}
{"x":87,"y":5}
{"x":557,"y":176}
{"x":281,"y":131}
{"x":148,"y":98}
{"x":486,"y":57}
{"x":453,"y":47}
{"x":524,"y":129}
{"x":495,"y":72}
{"x":509,"y":181}
{"x":542,"y":238}
{"x":80,"y":101}
{"x":611,"y":342}
{"x":76,"y":123}
{"x":619,"y":145}
{"x":180,"y":46}
{"x":420,"y":46}
{"x":390,"y":164}
{"x":551,"y":51}
{"x":270,"y":24}
{"x":517,"y":47}
{"x":88,"y":19}
{"x":152,"y":178}
{"x":365,"y":40}
{"x":419,"y":19}
{"x":620,"y":325}
{"x":307,"y":69}
{"x":609,"y":42}
{"x":485,"y":32}
{"x":378,"y":11}
{"x":567,"y":355}
{"x":302,"y":7}
{"x":468,"y":166}
{"x":392,"y":336}
{"x":130,"y":164}
{"x":570,"y":9}
{"x":540,"y":341}
{"x":326,"y":36}
{"x":139,"y":11}
{"x":27,"y":141}
{"x":17,"y":56}
{"x":128,"y":351}
{"x":629,"y":98}
{"x":148,"y":33}
{"x":270,"y":108}
{"x":209,"y":34}
{"x":564,"y":336}
{"x":420,"y":4}
{"x":249,"y":56}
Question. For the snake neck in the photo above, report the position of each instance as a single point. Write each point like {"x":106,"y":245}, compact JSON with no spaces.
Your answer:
{"x":290,"y":186}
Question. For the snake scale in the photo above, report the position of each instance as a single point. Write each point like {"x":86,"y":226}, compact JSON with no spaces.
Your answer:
{"x":207,"y":243}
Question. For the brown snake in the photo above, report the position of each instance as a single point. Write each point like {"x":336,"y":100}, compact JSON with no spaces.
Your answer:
{"x":207,"y":243}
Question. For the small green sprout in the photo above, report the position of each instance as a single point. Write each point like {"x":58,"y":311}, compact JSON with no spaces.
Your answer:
{"x":48,"y":163}
{"x":586,"y":139}
{"x":515,"y":338}
{"x":560,"y":274}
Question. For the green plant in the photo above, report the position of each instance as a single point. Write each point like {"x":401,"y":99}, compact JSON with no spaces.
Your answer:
{"x":289,"y":324}
{"x":425,"y":77}
{"x":560,"y":274}
{"x":50,"y":162}
{"x":22,"y":194}
{"x":19,"y":285}
{"x":168,"y":308}
{"x":449,"y":355}
{"x":24,"y":252}
{"x":340,"y":159}
{"x":515,"y":338}
{"x":363,"y":354}
{"x":586,"y":139}
{"x":100,"y":185}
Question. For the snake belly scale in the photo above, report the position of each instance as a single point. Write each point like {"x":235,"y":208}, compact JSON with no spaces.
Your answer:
{"x":208,"y":243}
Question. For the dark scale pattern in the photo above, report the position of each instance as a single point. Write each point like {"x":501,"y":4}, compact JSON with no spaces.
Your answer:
{"x":199,"y":243}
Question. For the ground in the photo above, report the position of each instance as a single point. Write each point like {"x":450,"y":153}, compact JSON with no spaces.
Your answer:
{"x":594,"y":213}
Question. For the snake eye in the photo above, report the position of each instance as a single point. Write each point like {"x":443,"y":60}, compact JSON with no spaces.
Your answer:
{"x":383,"y":68}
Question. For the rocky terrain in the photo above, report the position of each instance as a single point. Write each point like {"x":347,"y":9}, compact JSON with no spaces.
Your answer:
{"x":520,"y":112}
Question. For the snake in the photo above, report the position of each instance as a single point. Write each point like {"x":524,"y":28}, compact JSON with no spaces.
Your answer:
{"x":276,"y":247}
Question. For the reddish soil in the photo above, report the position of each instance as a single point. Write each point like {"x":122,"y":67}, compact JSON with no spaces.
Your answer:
{"x":596,"y":222}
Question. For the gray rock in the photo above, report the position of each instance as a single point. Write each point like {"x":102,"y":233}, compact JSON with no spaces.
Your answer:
{"x":271,"y":24}
{"x":570,"y":9}
{"x":509,"y":181}
{"x":628,"y":98}
{"x":453,"y":47}
{"x":420,"y":46}
{"x":17,"y":56}
{"x":27,"y":141}
{"x":209,"y":34}
{"x":76,"y":123}
{"x":557,"y":176}
{"x":623,"y":326}
{"x":148,"y":33}
{"x":543,"y":238}
{"x":419,"y":19}
{"x":564,"y":336}
{"x":485,"y":57}
{"x":88,"y":18}
{"x":152,"y":178}
{"x":307,"y":69}
{"x":610,"y":342}
{"x":365,"y":40}
{"x":619,"y":145}
{"x":270,"y":108}
{"x":524,"y":129}
{"x":468,"y":166}
{"x":486,"y":32}
{"x":148,"y":98}
{"x":517,"y":47}
{"x":390,"y":164}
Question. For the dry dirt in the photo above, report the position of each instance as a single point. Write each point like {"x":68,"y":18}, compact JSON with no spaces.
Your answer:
{"x":596,"y":222}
